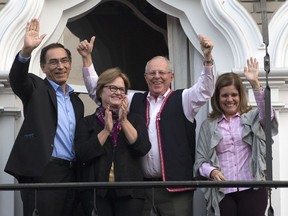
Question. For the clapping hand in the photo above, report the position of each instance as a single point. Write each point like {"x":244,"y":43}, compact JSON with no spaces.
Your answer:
{"x":123,"y":109}
{"x":108,"y":119}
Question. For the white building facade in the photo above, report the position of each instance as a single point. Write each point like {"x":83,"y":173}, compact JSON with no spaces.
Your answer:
{"x":228,"y":23}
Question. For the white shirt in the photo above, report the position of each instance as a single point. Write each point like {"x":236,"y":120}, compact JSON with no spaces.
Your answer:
{"x":193,"y":99}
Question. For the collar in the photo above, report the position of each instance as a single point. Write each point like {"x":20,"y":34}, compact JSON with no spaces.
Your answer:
{"x":162,"y":97}
{"x":55,"y":86}
{"x":223,"y":117}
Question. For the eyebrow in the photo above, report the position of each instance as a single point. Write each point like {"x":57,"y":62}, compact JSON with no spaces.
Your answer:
{"x":116,"y":86}
{"x":58,"y":58}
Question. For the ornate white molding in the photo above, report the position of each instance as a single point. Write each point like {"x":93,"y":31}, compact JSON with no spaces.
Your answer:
{"x":53,"y":15}
{"x":53,"y":19}
{"x":4,"y":83}
{"x":237,"y":27}
{"x":182,"y":10}
{"x":278,"y":34}
{"x":277,"y":78}
{"x":14,"y":17}
{"x":226,"y":22}
{"x":10,"y":111}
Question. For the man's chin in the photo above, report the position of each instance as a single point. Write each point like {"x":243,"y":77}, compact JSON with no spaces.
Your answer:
{"x":156,"y":92}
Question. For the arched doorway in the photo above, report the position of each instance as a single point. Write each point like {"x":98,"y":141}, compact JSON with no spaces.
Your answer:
{"x":128,"y":34}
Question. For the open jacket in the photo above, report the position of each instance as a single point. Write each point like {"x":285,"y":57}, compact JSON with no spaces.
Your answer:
{"x":176,"y":137}
{"x":210,"y":136}
{"x":96,"y":160}
{"x":34,"y":144}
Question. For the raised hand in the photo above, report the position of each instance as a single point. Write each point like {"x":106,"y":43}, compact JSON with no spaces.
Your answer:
{"x":206,"y":46}
{"x":31,"y":38}
{"x":251,"y":72}
{"x":85,"y":48}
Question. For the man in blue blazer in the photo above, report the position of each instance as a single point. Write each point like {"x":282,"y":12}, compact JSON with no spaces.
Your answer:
{"x":43,"y":151}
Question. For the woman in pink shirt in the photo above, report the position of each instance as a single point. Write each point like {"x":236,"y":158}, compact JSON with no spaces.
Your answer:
{"x":231,"y":145}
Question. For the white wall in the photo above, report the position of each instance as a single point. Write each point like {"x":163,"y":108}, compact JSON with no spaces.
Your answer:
{"x":234,"y":32}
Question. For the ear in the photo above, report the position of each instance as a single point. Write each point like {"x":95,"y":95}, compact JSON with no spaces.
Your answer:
{"x":145,"y":76}
{"x":42,"y":67}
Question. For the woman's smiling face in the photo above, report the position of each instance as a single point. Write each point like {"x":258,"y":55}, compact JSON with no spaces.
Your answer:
{"x":229,"y":100}
{"x":113,"y":93}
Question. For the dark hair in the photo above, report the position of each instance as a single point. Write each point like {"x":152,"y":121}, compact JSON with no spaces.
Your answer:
{"x":52,"y":46}
{"x":228,"y":79}
{"x":109,"y":76}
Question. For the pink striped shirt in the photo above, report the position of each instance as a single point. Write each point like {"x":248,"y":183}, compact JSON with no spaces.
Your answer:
{"x":234,"y":155}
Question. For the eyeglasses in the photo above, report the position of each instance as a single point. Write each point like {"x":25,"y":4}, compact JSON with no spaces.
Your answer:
{"x":115,"y":89}
{"x":161,"y":73}
{"x":56,"y":62}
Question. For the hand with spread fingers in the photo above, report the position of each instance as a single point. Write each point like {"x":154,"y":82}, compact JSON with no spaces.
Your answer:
{"x":251,"y":73}
{"x":53,"y":96}
{"x":229,"y":139}
{"x":31,"y":38}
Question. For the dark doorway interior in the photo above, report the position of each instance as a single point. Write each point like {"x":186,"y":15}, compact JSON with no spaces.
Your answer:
{"x":128,"y":34}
